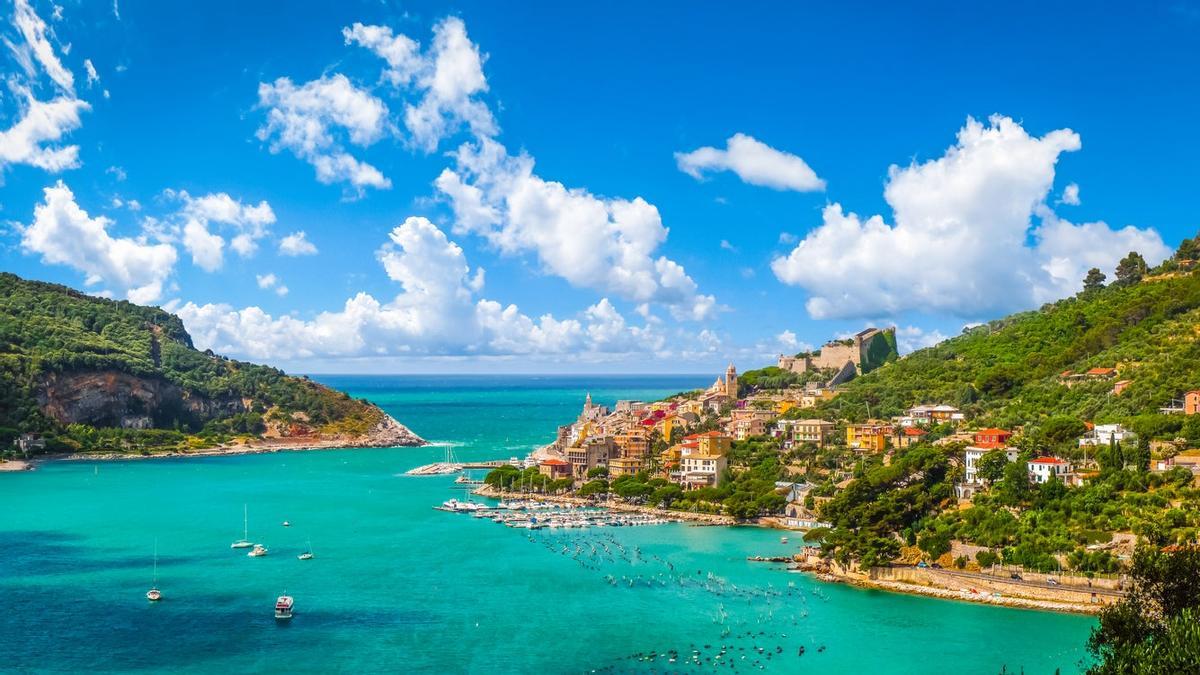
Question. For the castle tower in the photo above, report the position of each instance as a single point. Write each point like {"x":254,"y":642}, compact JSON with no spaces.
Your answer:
{"x":731,"y":382}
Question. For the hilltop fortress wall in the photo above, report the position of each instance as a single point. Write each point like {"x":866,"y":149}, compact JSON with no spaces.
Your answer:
{"x":862,"y":351}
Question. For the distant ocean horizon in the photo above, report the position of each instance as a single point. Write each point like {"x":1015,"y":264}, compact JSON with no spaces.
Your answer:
{"x":396,"y":585}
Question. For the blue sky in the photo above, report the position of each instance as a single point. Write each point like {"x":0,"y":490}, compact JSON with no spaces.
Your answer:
{"x":547,"y":122}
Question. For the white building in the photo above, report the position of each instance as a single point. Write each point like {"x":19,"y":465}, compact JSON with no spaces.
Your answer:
{"x":1043,"y":469}
{"x":974,"y":454}
{"x":1107,"y":434}
{"x":928,"y":415}
{"x":698,"y":468}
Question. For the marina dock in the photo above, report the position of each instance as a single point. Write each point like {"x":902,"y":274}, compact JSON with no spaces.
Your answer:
{"x":443,"y":468}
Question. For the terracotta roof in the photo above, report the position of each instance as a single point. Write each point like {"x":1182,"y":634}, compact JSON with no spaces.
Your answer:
{"x":1047,"y":460}
{"x":707,"y":434}
{"x":993,"y":432}
{"x":913,"y":431}
{"x":989,"y":445}
{"x":1101,"y":371}
{"x":555,"y":462}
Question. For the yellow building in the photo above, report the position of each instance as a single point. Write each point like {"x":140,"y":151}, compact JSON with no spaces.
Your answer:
{"x":665,"y":426}
{"x":625,"y":466}
{"x":871,"y":436}
{"x":712,"y":442}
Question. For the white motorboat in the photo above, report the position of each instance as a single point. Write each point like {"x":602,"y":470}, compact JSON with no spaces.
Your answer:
{"x":283,"y":607}
{"x":258,"y":551}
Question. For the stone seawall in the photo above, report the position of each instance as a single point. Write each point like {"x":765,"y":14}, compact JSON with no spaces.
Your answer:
{"x":982,"y":584}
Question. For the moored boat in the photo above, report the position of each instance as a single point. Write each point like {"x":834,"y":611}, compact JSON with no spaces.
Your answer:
{"x":283,"y":607}
{"x":154,"y":595}
{"x":244,"y":542}
{"x":258,"y":551}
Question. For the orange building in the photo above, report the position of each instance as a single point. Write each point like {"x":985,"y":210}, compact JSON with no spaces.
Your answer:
{"x":992,"y":438}
{"x":1191,"y":402}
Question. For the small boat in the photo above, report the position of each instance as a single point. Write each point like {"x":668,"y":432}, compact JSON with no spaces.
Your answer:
{"x":154,"y":595}
{"x":783,"y":540}
{"x":307,"y":555}
{"x":258,"y":551}
{"x":244,"y":542}
{"x":283,"y":607}
{"x":286,"y":524}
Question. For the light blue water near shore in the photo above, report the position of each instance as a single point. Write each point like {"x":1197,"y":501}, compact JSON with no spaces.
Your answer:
{"x":396,"y":585}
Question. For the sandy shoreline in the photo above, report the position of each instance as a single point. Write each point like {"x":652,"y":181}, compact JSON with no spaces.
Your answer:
{"x":387,"y":434}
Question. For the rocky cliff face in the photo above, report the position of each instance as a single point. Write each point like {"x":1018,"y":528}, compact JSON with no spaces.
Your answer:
{"x":116,"y":399}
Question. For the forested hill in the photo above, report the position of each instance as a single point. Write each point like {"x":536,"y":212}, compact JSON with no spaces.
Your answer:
{"x":1029,"y":366}
{"x":86,"y":373}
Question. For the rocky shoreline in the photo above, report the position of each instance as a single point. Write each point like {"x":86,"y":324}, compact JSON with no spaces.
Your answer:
{"x":389,"y":433}
{"x":823,"y":572}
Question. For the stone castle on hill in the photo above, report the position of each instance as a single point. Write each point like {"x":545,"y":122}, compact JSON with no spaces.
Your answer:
{"x":862,"y":353}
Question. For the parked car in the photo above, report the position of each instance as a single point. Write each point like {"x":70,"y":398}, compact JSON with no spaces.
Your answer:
{"x":1052,"y":582}
{"x":1016,"y":576}
{"x":936,"y":566}
{"x":922,"y":565}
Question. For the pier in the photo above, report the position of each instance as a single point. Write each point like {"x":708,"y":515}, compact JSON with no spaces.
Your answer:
{"x":444,"y":468}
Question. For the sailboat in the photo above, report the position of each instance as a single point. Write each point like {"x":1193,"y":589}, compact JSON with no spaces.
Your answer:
{"x":307,"y":555}
{"x":154,"y":595}
{"x":244,"y":542}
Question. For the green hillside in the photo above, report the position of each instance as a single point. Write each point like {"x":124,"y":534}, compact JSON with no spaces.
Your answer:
{"x":88,"y":373}
{"x":1009,"y":372}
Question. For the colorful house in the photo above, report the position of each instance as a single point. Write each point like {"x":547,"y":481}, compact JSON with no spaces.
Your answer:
{"x":872,"y":436}
{"x":992,"y":438}
{"x":907,"y":436}
{"x":555,"y":468}
{"x":1191,"y":402}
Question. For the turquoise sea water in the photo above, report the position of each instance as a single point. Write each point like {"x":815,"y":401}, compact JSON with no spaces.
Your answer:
{"x":396,"y":585}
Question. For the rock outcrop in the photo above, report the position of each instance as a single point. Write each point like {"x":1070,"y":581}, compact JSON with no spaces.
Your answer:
{"x":112,"y":398}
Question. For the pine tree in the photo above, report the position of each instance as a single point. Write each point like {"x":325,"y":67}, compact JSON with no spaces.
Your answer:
{"x":1094,"y":280}
{"x":1131,"y":269}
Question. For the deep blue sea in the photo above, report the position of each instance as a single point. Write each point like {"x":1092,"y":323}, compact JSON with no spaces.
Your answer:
{"x":397,"y":586}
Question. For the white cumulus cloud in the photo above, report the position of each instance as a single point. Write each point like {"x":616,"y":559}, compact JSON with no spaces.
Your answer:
{"x":754,"y":162}
{"x":315,"y":120}
{"x":964,"y":241}
{"x":248,"y":223}
{"x":1070,"y":195}
{"x":31,"y":140}
{"x":64,"y":234}
{"x":449,"y":76}
{"x":297,"y":244}
{"x":437,"y":312}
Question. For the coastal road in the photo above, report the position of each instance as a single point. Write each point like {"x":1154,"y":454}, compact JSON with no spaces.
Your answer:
{"x":1032,"y":584}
